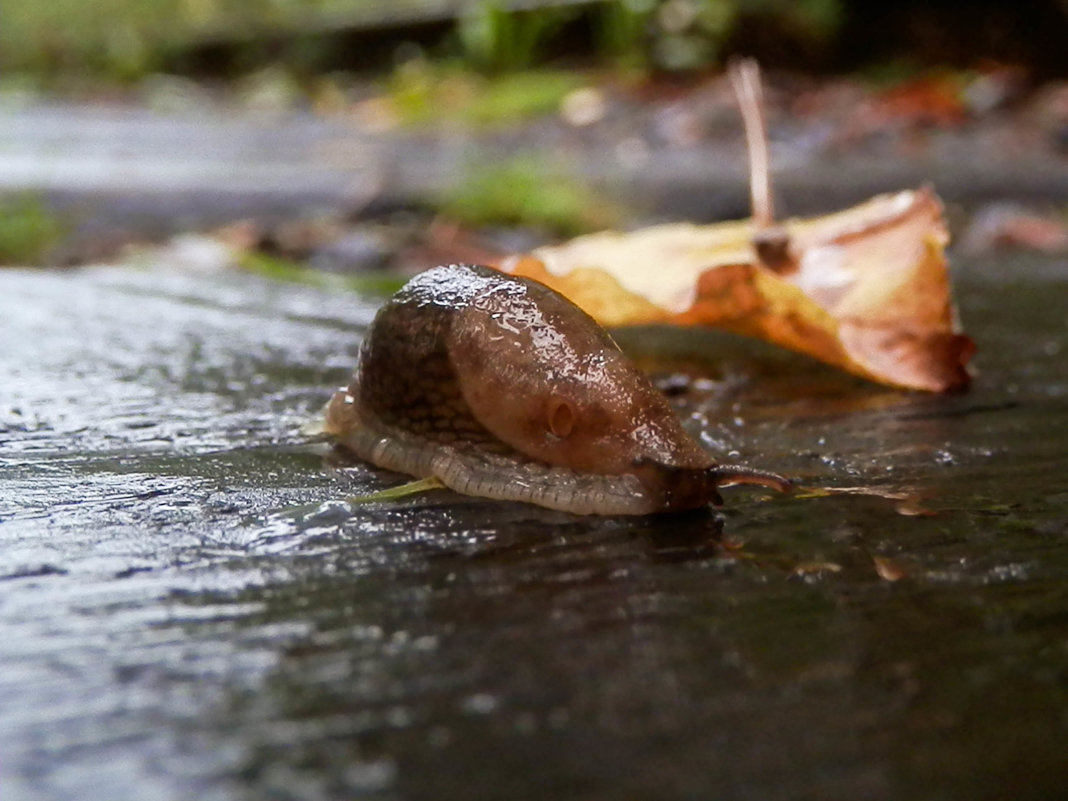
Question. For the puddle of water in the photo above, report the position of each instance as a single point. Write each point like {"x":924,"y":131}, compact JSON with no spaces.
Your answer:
{"x":187,"y":607}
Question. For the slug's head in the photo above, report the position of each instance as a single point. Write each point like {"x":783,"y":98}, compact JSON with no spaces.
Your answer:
{"x":545,"y":378}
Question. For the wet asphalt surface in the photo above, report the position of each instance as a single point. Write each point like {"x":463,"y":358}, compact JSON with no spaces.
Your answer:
{"x":189,"y":608}
{"x":116,"y":171}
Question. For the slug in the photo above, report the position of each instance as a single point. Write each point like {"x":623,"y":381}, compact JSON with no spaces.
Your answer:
{"x":502,"y":388}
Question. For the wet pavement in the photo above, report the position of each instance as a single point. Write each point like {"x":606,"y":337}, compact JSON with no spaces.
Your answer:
{"x":118,"y":171}
{"x":190,"y":609}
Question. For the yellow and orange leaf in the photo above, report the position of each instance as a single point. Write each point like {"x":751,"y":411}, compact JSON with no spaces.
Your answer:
{"x":865,"y":289}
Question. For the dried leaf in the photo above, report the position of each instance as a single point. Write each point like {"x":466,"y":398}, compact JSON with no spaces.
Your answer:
{"x":913,"y":507}
{"x":870,"y":492}
{"x":1005,"y":225}
{"x":888,"y":569}
{"x":934,"y":99}
{"x":865,"y":289}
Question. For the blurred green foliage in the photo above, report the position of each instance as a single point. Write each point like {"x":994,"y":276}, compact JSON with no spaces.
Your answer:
{"x":528,"y":192}
{"x":127,"y":39}
{"x":662,"y":34}
{"x":28,"y":230}
{"x":118,"y":39}
{"x":674,"y":35}
{"x":494,"y":38}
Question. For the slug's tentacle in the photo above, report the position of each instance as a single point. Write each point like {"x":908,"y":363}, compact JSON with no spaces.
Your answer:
{"x":730,"y":474}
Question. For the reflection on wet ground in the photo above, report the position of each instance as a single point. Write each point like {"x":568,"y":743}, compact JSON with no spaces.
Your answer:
{"x":189,"y":608}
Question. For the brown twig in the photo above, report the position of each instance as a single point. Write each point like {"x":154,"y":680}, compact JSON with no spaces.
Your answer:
{"x":745,"y":78}
{"x":770,"y":241}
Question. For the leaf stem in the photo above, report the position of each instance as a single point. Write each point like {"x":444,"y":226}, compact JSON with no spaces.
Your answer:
{"x":770,"y":241}
{"x":745,"y":78}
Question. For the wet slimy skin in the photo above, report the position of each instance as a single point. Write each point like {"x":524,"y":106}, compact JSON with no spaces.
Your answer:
{"x":502,"y":388}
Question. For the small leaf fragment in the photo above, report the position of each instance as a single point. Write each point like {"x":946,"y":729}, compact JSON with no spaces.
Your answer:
{"x":888,"y":569}
{"x":399,"y":492}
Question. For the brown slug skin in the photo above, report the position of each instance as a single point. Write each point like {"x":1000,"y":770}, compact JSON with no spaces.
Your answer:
{"x":503,"y":388}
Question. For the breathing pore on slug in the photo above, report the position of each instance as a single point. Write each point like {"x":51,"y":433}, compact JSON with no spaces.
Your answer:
{"x":501,"y":387}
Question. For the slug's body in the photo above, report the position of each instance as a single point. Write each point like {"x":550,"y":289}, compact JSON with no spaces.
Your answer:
{"x":502,"y":388}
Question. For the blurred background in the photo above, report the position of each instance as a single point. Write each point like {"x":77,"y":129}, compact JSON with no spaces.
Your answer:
{"x":128,"y":121}
{"x":72,"y":43}
{"x":191,"y":608}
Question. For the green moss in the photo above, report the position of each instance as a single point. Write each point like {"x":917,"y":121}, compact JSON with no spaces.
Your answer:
{"x":521,"y":95}
{"x":281,"y":269}
{"x":528,"y":192}
{"x":28,"y":230}
{"x":423,"y":93}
